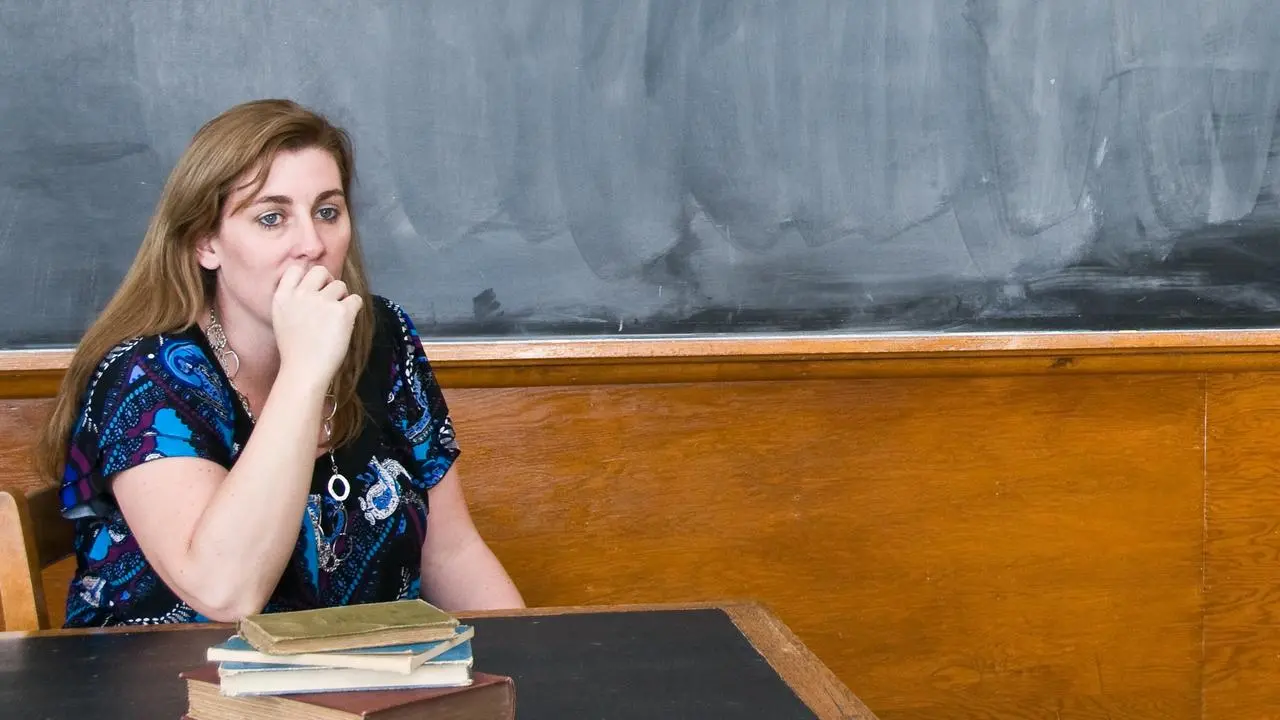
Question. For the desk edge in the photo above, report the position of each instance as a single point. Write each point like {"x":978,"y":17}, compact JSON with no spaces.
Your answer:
{"x":807,"y":675}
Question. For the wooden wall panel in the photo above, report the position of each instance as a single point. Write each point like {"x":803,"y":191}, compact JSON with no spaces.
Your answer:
{"x":984,"y":547}
{"x":1242,"y":573}
{"x":19,"y":422}
{"x":953,"y":547}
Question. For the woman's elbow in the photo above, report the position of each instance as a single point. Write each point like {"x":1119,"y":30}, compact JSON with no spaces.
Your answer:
{"x":231,"y":613}
{"x":224,"y":604}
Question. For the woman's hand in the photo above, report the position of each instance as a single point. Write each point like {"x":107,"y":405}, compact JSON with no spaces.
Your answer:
{"x":312,"y":316}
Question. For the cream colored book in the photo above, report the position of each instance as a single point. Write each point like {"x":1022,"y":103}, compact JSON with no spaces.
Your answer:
{"x":347,"y":627}
{"x":450,"y":669}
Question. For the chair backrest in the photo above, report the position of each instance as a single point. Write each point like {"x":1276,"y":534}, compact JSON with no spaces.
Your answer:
{"x":33,"y":536}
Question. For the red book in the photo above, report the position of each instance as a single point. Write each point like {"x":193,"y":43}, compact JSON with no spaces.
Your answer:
{"x":488,"y":697}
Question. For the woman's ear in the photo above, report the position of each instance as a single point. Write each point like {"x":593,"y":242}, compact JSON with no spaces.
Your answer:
{"x":207,"y":253}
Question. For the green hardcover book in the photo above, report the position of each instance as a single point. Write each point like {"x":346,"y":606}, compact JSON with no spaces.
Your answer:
{"x":348,"y":627}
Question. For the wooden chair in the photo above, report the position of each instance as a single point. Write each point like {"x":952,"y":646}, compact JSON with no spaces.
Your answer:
{"x":33,"y":536}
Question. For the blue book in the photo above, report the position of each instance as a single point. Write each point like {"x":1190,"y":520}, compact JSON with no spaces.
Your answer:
{"x":451,"y":668}
{"x":402,"y":659}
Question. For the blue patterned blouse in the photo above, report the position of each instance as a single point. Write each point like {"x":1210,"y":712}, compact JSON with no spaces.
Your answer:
{"x":167,"y":396}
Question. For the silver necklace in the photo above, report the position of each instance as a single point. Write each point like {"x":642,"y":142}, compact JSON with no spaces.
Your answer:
{"x":339,"y":487}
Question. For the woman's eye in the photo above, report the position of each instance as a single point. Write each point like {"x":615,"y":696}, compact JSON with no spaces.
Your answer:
{"x":327,"y":213}
{"x":271,"y":219}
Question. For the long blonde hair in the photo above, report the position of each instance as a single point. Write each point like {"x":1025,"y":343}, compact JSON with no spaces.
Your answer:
{"x":167,"y":291}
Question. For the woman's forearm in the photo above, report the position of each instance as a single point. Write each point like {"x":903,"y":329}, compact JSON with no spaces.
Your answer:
{"x":468,"y":577}
{"x":242,"y":542}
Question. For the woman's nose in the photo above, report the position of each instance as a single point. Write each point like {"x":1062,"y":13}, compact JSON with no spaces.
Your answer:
{"x":309,"y":244}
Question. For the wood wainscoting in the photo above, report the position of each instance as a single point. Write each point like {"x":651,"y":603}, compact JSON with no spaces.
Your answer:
{"x":1017,"y":526}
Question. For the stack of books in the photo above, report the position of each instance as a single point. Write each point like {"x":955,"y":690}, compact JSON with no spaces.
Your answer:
{"x":377,"y":660}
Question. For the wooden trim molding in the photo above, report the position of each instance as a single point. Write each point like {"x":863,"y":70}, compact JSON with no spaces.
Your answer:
{"x":618,"y":361}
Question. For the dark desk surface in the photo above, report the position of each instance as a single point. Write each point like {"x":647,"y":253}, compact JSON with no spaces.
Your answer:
{"x":687,"y":661}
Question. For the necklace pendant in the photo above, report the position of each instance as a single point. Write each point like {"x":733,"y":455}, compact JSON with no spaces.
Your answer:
{"x":339,"y":487}
{"x":326,"y":559}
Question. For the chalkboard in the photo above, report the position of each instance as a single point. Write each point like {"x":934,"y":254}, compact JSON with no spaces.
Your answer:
{"x":613,"y":167}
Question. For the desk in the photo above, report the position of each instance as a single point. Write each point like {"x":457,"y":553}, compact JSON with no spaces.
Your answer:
{"x":727,"y":660}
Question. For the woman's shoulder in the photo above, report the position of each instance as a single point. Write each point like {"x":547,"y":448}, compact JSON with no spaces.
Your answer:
{"x":149,"y":397}
{"x":178,"y":352}
{"x":397,"y":348}
{"x":169,"y":360}
{"x":390,"y":314}
{"x":394,"y":329}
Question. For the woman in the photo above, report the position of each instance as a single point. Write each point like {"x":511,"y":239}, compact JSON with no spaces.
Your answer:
{"x":245,"y":428}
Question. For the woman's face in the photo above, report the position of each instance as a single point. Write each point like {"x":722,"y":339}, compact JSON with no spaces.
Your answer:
{"x":298,"y":217}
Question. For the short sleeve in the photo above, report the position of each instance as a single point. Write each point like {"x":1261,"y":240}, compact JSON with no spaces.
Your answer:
{"x":151,"y":398}
{"x":417,"y":404}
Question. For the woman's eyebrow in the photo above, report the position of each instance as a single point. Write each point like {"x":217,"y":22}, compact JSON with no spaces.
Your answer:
{"x":286,"y":200}
{"x":272,"y":200}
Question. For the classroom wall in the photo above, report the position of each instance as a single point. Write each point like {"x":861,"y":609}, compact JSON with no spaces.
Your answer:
{"x":1010,"y":537}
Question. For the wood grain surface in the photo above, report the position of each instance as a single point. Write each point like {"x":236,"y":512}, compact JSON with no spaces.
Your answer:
{"x":1242,"y":558}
